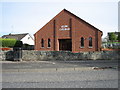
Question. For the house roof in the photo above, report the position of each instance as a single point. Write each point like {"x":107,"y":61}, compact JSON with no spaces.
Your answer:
{"x":15,"y":36}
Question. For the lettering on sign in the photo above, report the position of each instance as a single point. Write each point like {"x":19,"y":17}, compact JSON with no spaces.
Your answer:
{"x":64,"y":27}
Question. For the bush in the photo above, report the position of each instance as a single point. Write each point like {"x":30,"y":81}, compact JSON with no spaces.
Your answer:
{"x":10,"y":43}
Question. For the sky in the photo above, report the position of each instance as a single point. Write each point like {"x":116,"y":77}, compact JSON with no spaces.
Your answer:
{"x":28,"y":16}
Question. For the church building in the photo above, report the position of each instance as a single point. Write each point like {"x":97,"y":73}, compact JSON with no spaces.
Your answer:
{"x":68,"y":32}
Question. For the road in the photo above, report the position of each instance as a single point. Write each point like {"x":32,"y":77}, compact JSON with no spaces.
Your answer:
{"x":60,"y":74}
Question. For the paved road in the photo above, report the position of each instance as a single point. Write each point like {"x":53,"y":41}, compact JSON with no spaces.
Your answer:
{"x":58,"y":64}
{"x":65,"y":76}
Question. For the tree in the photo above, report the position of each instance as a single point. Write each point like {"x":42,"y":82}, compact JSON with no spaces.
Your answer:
{"x":118,"y":36}
{"x":112,"y":37}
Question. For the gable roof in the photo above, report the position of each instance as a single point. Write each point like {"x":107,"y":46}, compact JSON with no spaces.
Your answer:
{"x":15,"y":36}
{"x":81,"y":19}
{"x":64,"y":10}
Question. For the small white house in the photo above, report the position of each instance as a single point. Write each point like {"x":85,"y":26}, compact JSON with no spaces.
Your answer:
{"x":26,"y":38}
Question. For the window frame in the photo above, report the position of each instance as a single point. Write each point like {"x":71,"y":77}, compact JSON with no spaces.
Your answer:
{"x":90,"y":42}
{"x":82,"y":45}
{"x":42,"y":43}
{"x":49,"y":43}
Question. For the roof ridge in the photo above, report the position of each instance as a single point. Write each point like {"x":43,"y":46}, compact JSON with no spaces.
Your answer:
{"x":24,"y":33}
{"x":18,"y":34}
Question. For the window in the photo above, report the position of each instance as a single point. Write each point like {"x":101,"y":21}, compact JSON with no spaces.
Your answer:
{"x":82,"y":42}
{"x":90,"y":41}
{"x":49,"y":43}
{"x":42,"y":43}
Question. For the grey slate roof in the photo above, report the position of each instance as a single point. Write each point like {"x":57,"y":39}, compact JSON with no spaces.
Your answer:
{"x":15,"y":36}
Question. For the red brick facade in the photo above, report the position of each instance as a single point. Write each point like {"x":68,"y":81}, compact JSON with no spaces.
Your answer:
{"x":66,"y":31}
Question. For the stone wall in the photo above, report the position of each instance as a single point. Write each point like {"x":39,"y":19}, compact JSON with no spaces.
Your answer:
{"x":6,"y":55}
{"x":32,"y":55}
{"x":66,"y":55}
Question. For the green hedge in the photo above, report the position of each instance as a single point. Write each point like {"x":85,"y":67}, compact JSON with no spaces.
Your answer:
{"x":10,"y":43}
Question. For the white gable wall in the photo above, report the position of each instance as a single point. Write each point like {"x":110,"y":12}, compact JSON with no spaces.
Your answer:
{"x":28,"y":40}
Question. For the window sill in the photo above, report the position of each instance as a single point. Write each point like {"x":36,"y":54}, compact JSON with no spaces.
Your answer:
{"x":42,"y":47}
{"x":48,"y":47}
{"x":81,"y":47}
{"x":90,"y":47}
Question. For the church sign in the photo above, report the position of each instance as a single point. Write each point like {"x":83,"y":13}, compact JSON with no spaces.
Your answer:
{"x":64,"y":27}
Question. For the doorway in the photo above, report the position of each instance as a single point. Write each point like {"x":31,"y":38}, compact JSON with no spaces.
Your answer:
{"x":65,"y":45}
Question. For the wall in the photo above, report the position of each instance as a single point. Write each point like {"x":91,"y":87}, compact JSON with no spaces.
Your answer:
{"x":31,"y":55}
{"x":6,"y":55}
{"x":66,"y":55}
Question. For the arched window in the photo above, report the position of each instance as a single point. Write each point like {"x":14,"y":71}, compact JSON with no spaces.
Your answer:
{"x":90,"y":41}
{"x":42,"y":42}
{"x":82,"y":42}
{"x":49,"y":43}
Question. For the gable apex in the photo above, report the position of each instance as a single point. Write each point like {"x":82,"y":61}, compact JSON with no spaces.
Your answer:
{"x":73,"y":15}
{"x":65,"y":10}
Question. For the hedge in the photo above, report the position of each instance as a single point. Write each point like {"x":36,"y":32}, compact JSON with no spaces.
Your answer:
{"x":10,"y":43}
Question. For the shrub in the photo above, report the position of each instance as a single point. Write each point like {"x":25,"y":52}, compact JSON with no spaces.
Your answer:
{"x":10,"y":43}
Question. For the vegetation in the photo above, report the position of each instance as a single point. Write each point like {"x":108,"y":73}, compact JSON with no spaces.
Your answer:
{"x":112,"y":37}
{"x":113,"y":41}
{"x":110,"y":42}
{"x":10,"y":43}
{"x":118,"y":38}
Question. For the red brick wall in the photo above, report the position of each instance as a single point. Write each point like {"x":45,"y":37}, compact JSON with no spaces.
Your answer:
{"x":77,"y":30}
{"x":46,"y":33}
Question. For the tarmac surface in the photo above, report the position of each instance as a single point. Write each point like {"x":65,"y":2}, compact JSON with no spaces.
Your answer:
{"x":58,"y":64}
{"x":60,"y":74}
